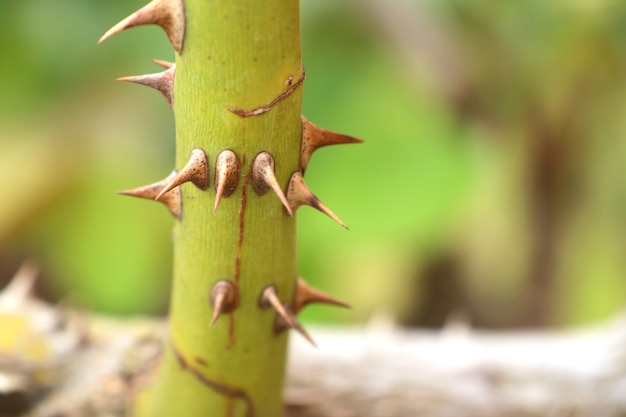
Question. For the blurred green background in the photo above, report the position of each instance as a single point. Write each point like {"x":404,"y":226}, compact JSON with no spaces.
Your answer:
{"x":492,"y":182}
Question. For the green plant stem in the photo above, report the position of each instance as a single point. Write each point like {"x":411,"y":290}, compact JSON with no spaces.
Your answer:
{"x":236,"y":55}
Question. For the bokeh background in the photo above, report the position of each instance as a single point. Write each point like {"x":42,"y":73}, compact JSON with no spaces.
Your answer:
{"x":492,"y":183}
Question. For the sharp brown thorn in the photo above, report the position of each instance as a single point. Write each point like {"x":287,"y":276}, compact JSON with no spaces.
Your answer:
{"x":169,"y":14}
{"x":269,"y":298}
{"x":314,"y":137}
{"x":298,"y":194}
{"x":280,"y":324}
{"x":196,"y":171}
{"x":161,"y":81}
{"x":164,"y":64}
{"x":305,"y":294}
{"x":223,"y":299}
{"x":264,"y":178}
{"x":285,"y":317}
{"x":304,"y":333}
{"x":171,"y":199}
{"x":227,"y":170}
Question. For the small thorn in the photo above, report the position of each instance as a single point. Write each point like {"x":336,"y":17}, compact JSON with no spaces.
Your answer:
{"x":170,"y":199}
{"x":169,"y":14}
{"x":298,"y":194}
{"x":164,"y":64}
{"x":227,"y":169}
{"x":223,"y":299}
{"x":196,"y":171}
{"x":305,"y":294}
{"x":20,"y":288}
{"x":269,"y":298}
{"x":314,"y":137}
{"x":264,"y":178}
{"x":161,"y":81}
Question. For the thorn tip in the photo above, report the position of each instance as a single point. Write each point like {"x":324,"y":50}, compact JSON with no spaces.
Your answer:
{"x":298,"y":194}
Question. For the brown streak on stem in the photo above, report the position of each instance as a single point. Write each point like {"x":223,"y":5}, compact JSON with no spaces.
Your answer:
{"x":264,"y":109}
{"x":242,"y":212}
{"x":231,"y":393}
{"x":201,"y":361}
{"x":230,"y":407}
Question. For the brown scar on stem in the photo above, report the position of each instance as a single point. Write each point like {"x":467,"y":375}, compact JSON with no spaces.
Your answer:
{"x":200,"y":361}
{"x":264,"y":109}
{"x":242,"y":212}
{"x":230,"y":407}
{"x":231,"y":393}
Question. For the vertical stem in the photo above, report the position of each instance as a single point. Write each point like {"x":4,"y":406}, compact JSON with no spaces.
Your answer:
{"x":237,"y":54}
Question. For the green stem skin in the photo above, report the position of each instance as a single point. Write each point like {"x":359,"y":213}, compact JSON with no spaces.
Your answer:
{"x":237,"y":54}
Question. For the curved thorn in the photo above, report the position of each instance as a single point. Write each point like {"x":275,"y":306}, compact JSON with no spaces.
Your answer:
{"x":298,"y":194}
{"x":196,"y":171}
{"x":264,"y":178}
{"x":171,"y":199}
{"x":314,"y":137}
{"x":169,"y":14}
{"x":223,"y":299}
{"x":161,"y":81}
{"x":305,"y":294}
{"x":227,"y":169}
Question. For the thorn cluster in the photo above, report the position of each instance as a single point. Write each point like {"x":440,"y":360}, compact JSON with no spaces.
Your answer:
{"x":224,"y":297}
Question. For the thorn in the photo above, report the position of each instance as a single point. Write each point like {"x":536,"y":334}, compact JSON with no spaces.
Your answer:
{"x":170,"y":199}
{"x":314,"y":137}
{"x":223,"y":299}
{"x":264,"y":178}
{"x":227,"y":168}
{"x":169,"y":14}
{"x":196,"y":170}
{"x":269,"y":298}
{"x":20,"y":288}
{"x":162,"y":81}
{"x":298,"y":194}
{"x":305,"y":294}
{"x":164,"y":64}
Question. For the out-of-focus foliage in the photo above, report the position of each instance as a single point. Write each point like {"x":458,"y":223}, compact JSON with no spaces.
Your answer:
{"x":492,"y":181}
